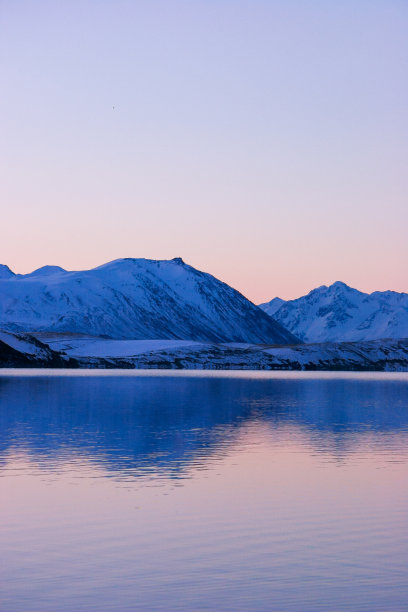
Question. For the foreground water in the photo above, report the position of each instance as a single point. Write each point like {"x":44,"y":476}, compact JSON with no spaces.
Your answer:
{"x":232,"y":491}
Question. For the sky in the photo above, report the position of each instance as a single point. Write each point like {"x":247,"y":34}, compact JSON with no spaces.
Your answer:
{"x":265,"y":142}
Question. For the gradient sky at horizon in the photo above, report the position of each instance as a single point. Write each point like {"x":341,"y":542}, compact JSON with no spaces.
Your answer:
{"x":265,"y":142}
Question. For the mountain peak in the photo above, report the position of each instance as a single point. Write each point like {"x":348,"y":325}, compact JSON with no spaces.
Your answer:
{"x":341,"y":313}
{"x":339,"y":285}
{"x":273,"y":306}
{"x":137,"y":299}
{"x":336,"y":286}
{"x":5,"y":271}
{"x":45,"y":271}
{"x":138,"y":261}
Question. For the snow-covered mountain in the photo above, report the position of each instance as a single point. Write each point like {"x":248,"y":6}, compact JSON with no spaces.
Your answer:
{"x":134,"y":299}
{"x":5,"y":272}
{"x":340,"y":313}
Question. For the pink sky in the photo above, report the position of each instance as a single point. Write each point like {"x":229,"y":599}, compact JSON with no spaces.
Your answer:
{"x":265,"y":143}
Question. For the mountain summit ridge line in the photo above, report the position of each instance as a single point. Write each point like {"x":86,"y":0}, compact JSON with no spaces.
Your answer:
{"x":341,"y":313}
{"x":134,"y":299}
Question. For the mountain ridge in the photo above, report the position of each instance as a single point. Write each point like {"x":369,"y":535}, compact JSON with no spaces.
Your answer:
{"x":339,"y":312}
{"x":133,"y":298}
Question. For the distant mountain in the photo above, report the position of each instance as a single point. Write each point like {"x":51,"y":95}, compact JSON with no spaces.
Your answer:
{"x":340,"y":313}
{"x":134,"y":299}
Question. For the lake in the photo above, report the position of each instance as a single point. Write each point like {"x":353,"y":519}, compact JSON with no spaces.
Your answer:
{"x":203,"y":491}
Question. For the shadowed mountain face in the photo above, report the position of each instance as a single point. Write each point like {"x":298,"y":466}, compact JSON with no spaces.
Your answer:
{"x":340,"y":313}
{"x":138,"y":425}
{"x":134,"y":299}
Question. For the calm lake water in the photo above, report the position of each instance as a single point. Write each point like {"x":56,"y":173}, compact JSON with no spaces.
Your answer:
{"x":203,"y":491}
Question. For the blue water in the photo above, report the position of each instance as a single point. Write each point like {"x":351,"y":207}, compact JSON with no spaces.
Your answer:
{"x":203,"y":491}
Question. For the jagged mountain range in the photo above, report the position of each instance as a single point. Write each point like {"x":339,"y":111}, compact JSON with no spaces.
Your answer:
{"x":134,"y":299}
{"x":341,"y":313}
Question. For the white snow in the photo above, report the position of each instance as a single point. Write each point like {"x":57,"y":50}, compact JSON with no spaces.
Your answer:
{"x":391,"y":355}
{"x":5,"y":272}
{"x":44,"y":271}
{"x":340,"y":313}
{"x":134,"y":299}
{"x":97,"y":347}
{"x":239,"y":355}
{"x":273,"y":306}
{"x":20,"y":344}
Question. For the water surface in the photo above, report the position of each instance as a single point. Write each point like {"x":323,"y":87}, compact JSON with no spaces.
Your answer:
{"x":203,"y":491}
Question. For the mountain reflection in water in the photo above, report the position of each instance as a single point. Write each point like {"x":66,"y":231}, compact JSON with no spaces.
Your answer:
{"x":140,"y":425}
{"x":228,"y":492}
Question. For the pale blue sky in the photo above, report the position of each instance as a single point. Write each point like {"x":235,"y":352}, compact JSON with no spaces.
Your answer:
{"x":264,"y":142}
